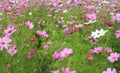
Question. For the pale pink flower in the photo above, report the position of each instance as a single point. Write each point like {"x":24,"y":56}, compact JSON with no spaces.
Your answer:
{"x":109,"y":50}
{"x":91,"y":51}
{"x":109,"y":70}
{"x":67,"y":70}
{"x":97,"y":50}
{"x":29,"y":25}
{"x":4,"y":43}
{"x":114,"y":57}
{"x":90,"y":7}
{"x":66,"y":52}
{"x":79,"y":26}
{"x":118,"y":18}
{"x":45,"y":46}
{"x":8,"y":66}
{"x":42,"y":33}
{"x":12,"y":51}
{"x":9,"y":31}
{"x":91,"y":16}
{"x":67,"y":31}
{"x":117,"y":33}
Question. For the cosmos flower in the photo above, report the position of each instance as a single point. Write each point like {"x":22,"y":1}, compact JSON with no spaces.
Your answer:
{"x":91,"y":16}
{"x":55,"y":71}
{"x":32,"y":39}
{"x":110,"y":70}
{"x":4,"y":43}
{"x":109,"y":50}
{"x":90,"y":58}
{"x":42,"y":33}
{"x":99,"y":33}
{"x":67,"y":70}
{"x":9,"y":31}
{"x":31,"y":54}
{"x":12,"y":51}
{"x":114,"y":57}
{"x":29,"y":25}
{"x":97,"y":50}
{"x":56,"y":55}
{"x":66,"y":52}
{"x":117,"y":33}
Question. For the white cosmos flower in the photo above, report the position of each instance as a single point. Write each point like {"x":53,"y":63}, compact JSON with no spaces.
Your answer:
{"x":1,"y":13}
{"x":99,"y":33}
{"x":90,"y":21}
{"x":30,"y":13}
{"x":106,"y":2}
{"x":65,"y":11}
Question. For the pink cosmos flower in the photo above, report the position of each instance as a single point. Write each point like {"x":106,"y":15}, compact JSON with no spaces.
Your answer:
{"x":67,"y":31}
{"x":97,"y":50}
{"x":91,"y":51}
{"x":90,"y":57}
{"x":118,"y":18}
{"x":9,"y":31}
{"x":114,"y":57}
{"x":55,"y":71}
{"x":66,"y":52}
{"x":67,"y":70}
{"x":117,"y":33}
{"x":73,"y":29}
{"x":49,"y":43}
{"x":90,"y":7}
{"x":8,"y":66}
{"x":29,"y":25}
{"x":109,"y":50}
{"x":42,"y":33}
{"x":56,"y":55}
{"x":4,"y":43}
{"x":45,"y":46}
{"x":79,"y":26}
{"x":91,"y":16}
{"x":12,"y":51}
{"x":109,"y":70}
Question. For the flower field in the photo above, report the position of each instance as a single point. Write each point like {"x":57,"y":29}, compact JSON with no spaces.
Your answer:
{"x":59,"y":36}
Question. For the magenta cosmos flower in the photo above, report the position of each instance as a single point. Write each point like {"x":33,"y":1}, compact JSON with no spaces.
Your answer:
{"x":109,"y":70}
{"x":117,"y":33}
{"x":56,"y":55}
{"x":4,"y":43}
{"x":90,"y":57}
{"x":29,"y":25}
{"x":42,"y":33}
{"x":67,"y":70}
{"x":114,"y":57}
